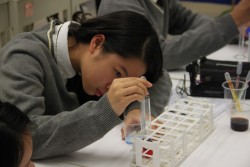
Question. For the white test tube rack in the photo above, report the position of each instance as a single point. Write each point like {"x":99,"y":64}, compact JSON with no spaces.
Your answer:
{"x":180,"y":129}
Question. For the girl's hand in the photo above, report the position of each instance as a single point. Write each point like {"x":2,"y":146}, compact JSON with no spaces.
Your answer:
{"x":241,"y":13}
{"x":123,"y":91}
{"x":128,"y":121}
{"x":133,"y":117}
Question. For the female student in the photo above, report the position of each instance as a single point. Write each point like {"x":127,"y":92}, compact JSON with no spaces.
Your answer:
{"x":15,"y":140}
{"x":75,"y":80}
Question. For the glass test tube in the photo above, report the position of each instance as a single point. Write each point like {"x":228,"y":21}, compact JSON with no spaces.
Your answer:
{"x":145,"y":115}
{"x":241,"y":45}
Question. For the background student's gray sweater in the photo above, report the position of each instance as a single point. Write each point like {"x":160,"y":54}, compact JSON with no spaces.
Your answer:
{"x":193,"y":35}
{"x":31,"y":80}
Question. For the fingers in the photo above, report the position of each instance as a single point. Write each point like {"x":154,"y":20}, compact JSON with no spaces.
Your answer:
{"x":133,"y":81}
{"x":133,"y":118}
{"x":136,"y":82}
{"x":134,"y":86}
{"x":124,"y":91}
{"x":130,"y":119}
{"x":122,"y":132}
{"x":241,"y":13}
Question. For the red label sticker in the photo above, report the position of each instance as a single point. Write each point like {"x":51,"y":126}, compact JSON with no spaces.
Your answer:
{"x":28,"y":9}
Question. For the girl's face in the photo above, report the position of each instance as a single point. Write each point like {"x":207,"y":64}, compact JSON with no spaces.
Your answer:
{"x":100,"y":69}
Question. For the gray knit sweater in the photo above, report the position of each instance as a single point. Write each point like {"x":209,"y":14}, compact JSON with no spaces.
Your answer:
{"x":31,"y":80}
{"x":185,"y":36}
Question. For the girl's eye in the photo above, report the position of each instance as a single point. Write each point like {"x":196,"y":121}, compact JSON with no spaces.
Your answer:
{"x":117,"y":74}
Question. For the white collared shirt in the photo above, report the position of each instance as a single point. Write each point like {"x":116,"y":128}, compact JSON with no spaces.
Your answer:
{"x":60,"y":40}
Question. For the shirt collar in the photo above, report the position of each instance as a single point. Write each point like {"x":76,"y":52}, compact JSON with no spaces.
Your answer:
{"x":62,"y":52}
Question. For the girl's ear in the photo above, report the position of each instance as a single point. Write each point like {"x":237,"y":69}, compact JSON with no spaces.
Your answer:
{"x":96,"y":42}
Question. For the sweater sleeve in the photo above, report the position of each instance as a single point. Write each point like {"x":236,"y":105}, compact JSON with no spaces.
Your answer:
{"x":160,"y":94}
{"x":70,"y":131}
{"x":189,"y":35}
{"x":59,"y":124}
{"x":192,"y":36}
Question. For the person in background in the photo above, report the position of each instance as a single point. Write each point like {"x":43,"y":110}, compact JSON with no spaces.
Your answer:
{"x":185,"y":36}
{"x":75,"y":80}
{"x":15,"y":140}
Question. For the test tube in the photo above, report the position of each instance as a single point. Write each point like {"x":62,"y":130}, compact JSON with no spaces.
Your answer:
{"x":238,"y":72}
{"x":145,"y":114}
{"x":241,"y":54}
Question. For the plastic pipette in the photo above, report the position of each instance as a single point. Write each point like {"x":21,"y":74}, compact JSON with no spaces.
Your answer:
{"x":238,"y":72}
{"x":244,"y":87}
{"x":231,"y":87}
